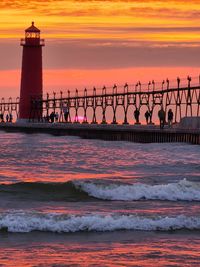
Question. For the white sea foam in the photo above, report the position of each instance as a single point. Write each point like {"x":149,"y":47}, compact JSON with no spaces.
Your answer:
{"x":182,"y":190}
{"x":27,"y":222}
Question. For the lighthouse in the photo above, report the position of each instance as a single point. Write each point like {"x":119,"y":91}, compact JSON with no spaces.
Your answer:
{"x":31,"y":73}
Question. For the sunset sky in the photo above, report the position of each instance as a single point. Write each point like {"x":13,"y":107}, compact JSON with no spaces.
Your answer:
{"x":92,"y":43}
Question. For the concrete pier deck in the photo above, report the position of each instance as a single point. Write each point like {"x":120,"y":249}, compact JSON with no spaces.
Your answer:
{"x":132,"y":133}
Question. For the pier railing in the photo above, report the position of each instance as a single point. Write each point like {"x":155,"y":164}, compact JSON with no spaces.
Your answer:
{"x":118,"y":103}
{"x":115,"y":104}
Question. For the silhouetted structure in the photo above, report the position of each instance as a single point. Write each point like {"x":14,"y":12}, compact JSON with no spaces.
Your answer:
{"x":184,"y":101}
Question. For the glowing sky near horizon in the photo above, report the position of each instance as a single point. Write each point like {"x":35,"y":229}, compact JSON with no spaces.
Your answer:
{"x":86,"y":40}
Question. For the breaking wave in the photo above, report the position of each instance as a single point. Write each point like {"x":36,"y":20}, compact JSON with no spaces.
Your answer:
{"x":61,"y":223}
{"x":83,"y":190}
{"x":183,"y":190}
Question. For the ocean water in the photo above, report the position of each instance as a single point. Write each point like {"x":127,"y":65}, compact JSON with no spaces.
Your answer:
{"x":65,"y":201}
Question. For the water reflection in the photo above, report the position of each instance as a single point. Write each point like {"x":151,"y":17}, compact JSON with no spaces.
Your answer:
{"x":111,"y":249}
{"x":41,"y":157}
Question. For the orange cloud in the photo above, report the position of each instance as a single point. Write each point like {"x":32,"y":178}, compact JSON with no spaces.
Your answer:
{"x":85,"y":19}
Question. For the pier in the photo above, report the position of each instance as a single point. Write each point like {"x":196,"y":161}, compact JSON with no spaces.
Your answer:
{"x":130,"y":133}
{"x":89,"y":112}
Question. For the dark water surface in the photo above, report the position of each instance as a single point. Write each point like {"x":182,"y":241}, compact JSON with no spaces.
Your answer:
{"x":65,"y":201}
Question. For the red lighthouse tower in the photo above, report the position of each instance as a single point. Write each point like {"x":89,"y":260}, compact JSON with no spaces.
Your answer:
{"x":31,"y":75}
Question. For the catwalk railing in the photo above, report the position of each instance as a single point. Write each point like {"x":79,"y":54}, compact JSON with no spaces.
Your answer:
{"x":115,"y":104}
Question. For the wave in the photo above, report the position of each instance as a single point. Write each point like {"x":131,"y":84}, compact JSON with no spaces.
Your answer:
{"x":24,"y":222}
{"x":84,"y":190}
{"x":183,"y":190}
{"x":44,"y":191}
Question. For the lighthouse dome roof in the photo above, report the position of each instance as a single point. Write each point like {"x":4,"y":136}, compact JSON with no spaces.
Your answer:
{"x":32,"y":28}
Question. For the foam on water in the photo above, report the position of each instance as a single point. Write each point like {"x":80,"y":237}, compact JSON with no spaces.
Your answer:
{"x":35,"y":221}
{"x":183,"y":190}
